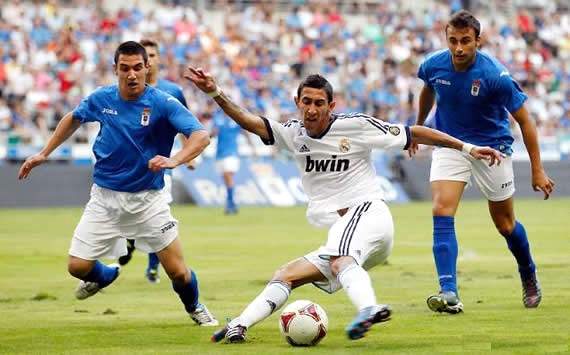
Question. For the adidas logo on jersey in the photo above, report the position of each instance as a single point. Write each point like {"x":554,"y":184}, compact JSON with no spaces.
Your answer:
{"x":304,"y":149}
{"x":324,"y":165}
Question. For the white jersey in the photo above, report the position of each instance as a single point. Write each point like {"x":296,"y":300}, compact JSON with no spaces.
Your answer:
{"x":336,"y":167}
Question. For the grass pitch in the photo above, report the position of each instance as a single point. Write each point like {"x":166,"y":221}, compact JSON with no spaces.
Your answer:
{"x":235,"y":256}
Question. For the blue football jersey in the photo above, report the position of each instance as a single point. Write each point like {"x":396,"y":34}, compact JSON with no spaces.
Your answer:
{"x":228,"y":132}
{"x":133,"y":132}
{"x":172,"y":89}
{"x":472,"y":105}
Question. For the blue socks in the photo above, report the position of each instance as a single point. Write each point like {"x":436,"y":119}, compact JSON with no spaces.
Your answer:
{"x":230,"y":201}
{"x":188,"y":293}
{"x":445,"y":252}
{"x":102,"y":274}
{"x":519,"y":246}
{"x":153,"y":261}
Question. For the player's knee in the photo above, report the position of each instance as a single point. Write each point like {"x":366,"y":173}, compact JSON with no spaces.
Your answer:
{"x":442,"y":209}
{"x":179,"y":276}
{"x":340,"y":263}
{"x":505,"y":227}
{"x":281,"y":274}
{"x":284,"y":275}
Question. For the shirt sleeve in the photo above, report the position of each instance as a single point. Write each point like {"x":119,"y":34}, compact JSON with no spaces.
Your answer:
{"x":281,"y":134}
{"x":423,"y":74}
{"x":180,"y":118}
{"x":509,"y":93}
{"x":84,"y":112}
{"x":384,"y":135}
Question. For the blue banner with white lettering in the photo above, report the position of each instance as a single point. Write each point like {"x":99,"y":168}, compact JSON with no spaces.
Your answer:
{"x":269,"y":182}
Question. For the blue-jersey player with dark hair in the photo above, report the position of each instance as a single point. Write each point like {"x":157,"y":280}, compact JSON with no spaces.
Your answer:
{"x":128,"y":199}
{"x":175,"y":90}
{"x":474,"y":95}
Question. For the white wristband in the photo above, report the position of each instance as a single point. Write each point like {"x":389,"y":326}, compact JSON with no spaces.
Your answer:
{"x":214,"y":93}
{"x":467,"y":147}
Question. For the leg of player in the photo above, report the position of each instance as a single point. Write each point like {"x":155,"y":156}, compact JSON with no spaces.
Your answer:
{"x":124,"y":260}
{"x":231,"y":207}
{"x":514,"y":232}
{"x":292,"y":275}
{"x":151,"y":272}
{"x":185,"y":283}
{"x":358,"y":286}
{"x":93,"y":274}
{"x":446,"y":195}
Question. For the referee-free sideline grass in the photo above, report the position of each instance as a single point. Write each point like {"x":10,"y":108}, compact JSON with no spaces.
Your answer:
{"x":234,"y":256}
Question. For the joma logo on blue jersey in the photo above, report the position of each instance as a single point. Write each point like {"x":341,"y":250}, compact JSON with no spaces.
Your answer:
{"x":110,"y":111}
{"x":324,"y":165}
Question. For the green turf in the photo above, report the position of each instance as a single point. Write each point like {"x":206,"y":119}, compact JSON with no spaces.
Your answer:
{"x":235,"y":256}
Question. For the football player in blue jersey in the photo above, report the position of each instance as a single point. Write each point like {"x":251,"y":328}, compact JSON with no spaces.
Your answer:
{"x":128,"y":200}
{"x":175,"y":90}
{"x":227,"y":155}
{"x":474,"y":95}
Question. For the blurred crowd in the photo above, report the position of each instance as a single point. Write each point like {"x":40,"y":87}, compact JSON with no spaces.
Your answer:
{"x":53,"y":53}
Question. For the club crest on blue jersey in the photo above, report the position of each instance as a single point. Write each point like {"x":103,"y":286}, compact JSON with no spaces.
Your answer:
{"x":145,"y":116}
{"x":475,"y":87}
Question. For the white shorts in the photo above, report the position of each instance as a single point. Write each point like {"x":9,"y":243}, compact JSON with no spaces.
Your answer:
{"x":110,"y":217}
{"x":495,"y":182}
{"x":168,"y":187}
{"x":227,"y":165}
{"x":365,"y":232}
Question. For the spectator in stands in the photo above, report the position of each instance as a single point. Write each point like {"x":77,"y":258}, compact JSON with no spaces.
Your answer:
{"x":256,"y":50}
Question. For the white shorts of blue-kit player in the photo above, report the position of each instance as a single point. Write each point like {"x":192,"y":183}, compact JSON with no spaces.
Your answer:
{"x":110,"y":217}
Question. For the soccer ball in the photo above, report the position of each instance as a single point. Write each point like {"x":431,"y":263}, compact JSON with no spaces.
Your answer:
{"x":303,"y":323}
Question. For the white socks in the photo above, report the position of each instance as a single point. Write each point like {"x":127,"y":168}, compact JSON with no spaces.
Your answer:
{"x":273,"y":297}
{"x":356,"y":282}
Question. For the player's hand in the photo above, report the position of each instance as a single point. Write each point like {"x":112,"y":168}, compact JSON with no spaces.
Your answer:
{"x":413,"y":149}
{"x":541,"y":181}
{"x":487,"y":153}
{"x":202,"y":79}
{"x":159,"y":162}
{"x":29,"y":164}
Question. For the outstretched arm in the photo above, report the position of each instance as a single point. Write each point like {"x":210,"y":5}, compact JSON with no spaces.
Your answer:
{"x":63,"y":131}
{"x":540,"y":181}
{"x":206,"y":83}
{"x":428,"y":136}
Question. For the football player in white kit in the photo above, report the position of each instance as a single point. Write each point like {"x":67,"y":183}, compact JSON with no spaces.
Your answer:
{"x":333,"y":153}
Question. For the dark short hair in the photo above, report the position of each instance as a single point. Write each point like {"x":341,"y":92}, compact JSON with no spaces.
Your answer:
{"x":316,"y":81}
{"x":464,"y":19}
{"x":131,"y":48}
{"x":147,"y":42}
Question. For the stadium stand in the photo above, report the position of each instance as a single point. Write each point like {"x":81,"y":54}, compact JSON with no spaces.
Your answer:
{"x":55,"y":52}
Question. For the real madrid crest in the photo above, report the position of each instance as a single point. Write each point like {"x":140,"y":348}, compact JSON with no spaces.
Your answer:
{"x":145,"y":116}
{"x":475,"y":87}
{"x":344,"y":145}
{"x":394,"y":130}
